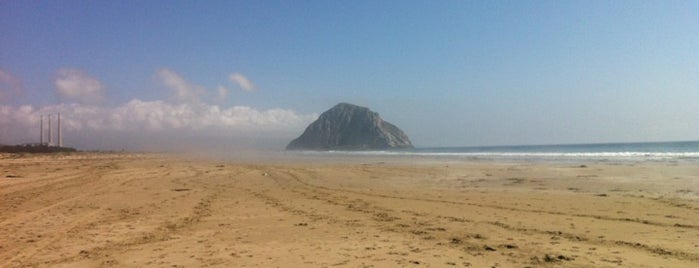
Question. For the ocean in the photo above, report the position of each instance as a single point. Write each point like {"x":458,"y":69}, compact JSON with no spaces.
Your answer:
{"x":643,"y":151}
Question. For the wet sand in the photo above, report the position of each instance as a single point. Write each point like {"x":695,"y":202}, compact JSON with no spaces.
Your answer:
{"x":141,"y":210}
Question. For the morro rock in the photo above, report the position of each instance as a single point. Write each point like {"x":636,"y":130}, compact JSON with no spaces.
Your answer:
{"x":350,"y":127}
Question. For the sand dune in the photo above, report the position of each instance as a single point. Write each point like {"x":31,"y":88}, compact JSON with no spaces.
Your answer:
{"x":131,"y":210}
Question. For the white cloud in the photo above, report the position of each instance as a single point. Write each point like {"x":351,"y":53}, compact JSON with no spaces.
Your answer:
{"x":152,"y":121}
{"x":242,"y":81}
{"x":222,"y":92}
{"x":10,"y":86}
{"x":152,"y":125}
{"x":184,"y":91}
{"x":76,"y":85}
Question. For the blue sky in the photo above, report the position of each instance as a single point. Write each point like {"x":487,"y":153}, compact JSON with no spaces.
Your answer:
{"x":450,"y":73}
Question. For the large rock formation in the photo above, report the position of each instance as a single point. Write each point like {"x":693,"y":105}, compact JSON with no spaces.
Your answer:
{"x":350,"y":127}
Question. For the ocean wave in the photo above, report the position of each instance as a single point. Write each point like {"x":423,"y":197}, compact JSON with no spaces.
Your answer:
{"x":525,"y":155}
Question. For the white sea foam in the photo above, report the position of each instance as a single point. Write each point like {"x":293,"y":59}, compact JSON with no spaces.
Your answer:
{"x":526,"y":156}
{"x":651,"y":151}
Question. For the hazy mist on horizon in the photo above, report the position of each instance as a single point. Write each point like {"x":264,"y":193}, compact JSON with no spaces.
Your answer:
{"x":227,"y":75}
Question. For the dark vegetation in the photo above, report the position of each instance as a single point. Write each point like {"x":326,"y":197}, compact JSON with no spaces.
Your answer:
{"x":34,"y":148}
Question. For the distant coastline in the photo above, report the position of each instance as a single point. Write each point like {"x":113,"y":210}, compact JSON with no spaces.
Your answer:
{"x":31,"y":148}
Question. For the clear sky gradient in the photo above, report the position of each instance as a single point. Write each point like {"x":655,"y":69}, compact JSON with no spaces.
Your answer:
{"x":449,"y":73}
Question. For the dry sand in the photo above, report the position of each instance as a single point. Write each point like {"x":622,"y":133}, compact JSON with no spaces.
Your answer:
{"x":88,"y":210}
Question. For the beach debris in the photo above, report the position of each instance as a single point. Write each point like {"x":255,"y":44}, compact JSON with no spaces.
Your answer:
{"x":181,"y":189}
{"x":265,"y":174}
{"x":554,"y":258}
{"x":84,"y":253}
{"x":12,"y":176}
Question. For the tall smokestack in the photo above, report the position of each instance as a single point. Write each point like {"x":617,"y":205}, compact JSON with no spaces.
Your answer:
{"x":60,"y":140}
{"x":41,"y":118}
{"x":50,"y":140}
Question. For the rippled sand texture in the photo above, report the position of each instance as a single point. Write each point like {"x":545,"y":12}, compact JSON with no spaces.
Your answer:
{"x":158,"y":211}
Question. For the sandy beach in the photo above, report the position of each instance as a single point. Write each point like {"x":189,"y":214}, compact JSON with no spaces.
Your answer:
{"x":147,"y":210}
